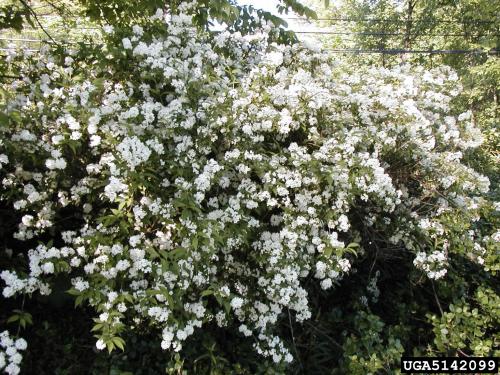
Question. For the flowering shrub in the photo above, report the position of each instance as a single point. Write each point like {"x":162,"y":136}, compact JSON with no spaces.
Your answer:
{"x":180,"y":178}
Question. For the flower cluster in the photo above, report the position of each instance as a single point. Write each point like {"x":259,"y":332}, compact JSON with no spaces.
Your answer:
{"x":10,"y":356}
{"x":219,"y":172}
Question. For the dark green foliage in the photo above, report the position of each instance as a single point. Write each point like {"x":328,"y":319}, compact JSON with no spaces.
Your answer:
{"x":13,"y":15}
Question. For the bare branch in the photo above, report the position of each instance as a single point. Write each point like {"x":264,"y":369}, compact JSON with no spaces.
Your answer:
{"x":27,"y":6}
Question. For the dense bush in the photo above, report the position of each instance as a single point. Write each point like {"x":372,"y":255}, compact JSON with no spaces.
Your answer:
{"x":188,"y":182}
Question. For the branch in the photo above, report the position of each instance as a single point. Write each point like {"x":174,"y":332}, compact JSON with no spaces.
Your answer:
{"x":8,"y":76}
{"x":437,"y":299}
{"x":293,"y":339}
{"x":325,"y":335}
{"x":461,"y":352}
{"x":38,"y":21}
{"x":56,"y":7}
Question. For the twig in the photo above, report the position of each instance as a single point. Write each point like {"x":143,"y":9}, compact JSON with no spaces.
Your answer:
{"x":325,"y":335}
{"x":441,"y":309}
{"x":8,"y":76}
{"x":37,"y":20}
{"x":56,"y":7}
{"x":22,"y":309}
{"x":374,"y":259}
{"x":293,"y":340}
{"x":437,"y":299}
{"x":461,"y":352}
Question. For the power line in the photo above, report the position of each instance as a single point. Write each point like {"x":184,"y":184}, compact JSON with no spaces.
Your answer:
{"x":406,"y":51}
{"x":65,"y":28}
{"x":381,"y":33}
{"x":318,"y":32}
{"x":344,"y":50}
{"x":26,"y":49}
{"x":26,"y":40}
{"x":348,"y":19}
{"x":379,"y":51}
{"x":389,"y":20}
{"x":366,"y":19}
{"x":40,"y":41}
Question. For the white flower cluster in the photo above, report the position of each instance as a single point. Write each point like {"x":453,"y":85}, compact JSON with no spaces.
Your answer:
{"x":133,"y":151}
{"x":232,"y":171}
{"x":434,"y":264}
{"x":10,"y":356}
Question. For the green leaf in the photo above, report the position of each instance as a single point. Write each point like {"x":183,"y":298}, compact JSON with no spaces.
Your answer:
{"x":73,"y":292}
{"x":207,"y":292}
{"x":168,"y":296}
{"x":98,"y":83}
{"x":227,"y":306}
{"x":79,"y":300}
{"x":28,"y":318}
{"x":186,"y":214}
{"x":15,"y":116}
{"x":4,"y":119}
{"x":110,"y":345}
{"x":177,"y":253}
{"x":154,"y":254}
{"x":119,"y":342}
{"x":13,"y":318}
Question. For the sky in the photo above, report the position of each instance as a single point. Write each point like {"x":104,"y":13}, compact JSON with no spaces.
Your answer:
{"x":296,"y":24}
{"x":268,"y":5}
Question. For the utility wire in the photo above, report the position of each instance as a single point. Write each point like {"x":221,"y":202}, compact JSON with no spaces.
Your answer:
{"x":389,"y":20}
{"x":348,"y":19}
{"x":40,"y":41}
{"x":323,"y":32}
{"x":26,"y":49}
{"x":352,"y":51}
{"x":407,"y":51}
{"x":381,"y":33}
{"x":381,"y":51}
{"x":344,"y":50}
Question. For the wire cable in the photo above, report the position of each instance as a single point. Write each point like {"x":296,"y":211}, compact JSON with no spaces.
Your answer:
{"x":389,"y":20}
{"x":381,"y":33}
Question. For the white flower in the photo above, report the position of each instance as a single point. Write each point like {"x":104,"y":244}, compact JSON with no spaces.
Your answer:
{"x":126,"y":43}
{"x":108,"y":29}
{"x":95,"y":140}
{"x":115,"y":187}
{"x":326,"y":283}
{"x":27,"y":220}
{"x":133,"y":151}
{"x":12,"y":369}
{"x":138,"y":30}
{"x":274,"y":58}
{"x":48,"y":267}
{"x":4,"y":159}
{"x":236,"y":303}
{"x":58,"y":163}
{"x":100,"y":344}
{"x":21,"y":344}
